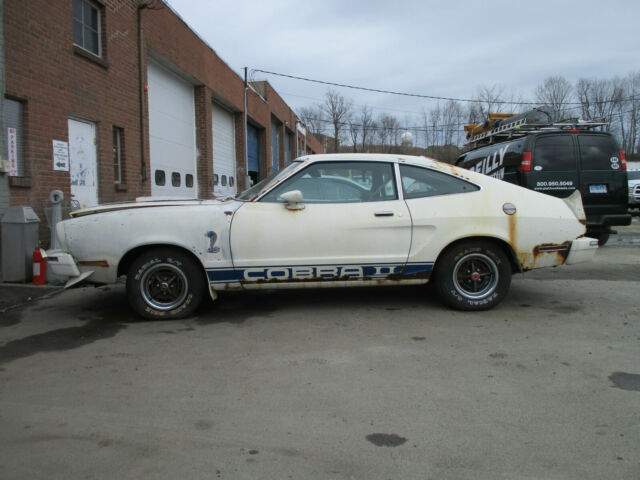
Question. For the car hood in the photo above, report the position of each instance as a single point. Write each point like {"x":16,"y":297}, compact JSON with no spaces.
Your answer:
{"x":144,"y":203}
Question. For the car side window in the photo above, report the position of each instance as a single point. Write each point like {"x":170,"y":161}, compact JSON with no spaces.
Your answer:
{"x":554,"y":153}
{"x":418,"y":182}
{"x":340,"y":182}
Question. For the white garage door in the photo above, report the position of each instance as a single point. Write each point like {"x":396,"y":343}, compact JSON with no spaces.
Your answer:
{"x":172,"y":134}
{"x":224,"y":153}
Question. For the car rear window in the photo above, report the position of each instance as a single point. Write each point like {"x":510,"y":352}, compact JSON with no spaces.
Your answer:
{"x":554,"y":153}
{"x":598,"y":152}
{"x":418,"y":182}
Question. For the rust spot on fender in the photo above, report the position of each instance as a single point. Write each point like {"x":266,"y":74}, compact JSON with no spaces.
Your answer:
{"x":411,"y":276}
{"x":560,"y":249}
{"x":545,"y":255}
{"x":513,"y":230}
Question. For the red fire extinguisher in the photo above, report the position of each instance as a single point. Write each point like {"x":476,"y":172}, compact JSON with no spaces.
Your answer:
{"x":39,"y":267}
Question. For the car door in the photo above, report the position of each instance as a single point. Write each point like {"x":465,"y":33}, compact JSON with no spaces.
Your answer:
{"x":352,"y":226}
{"x":603,"y":180}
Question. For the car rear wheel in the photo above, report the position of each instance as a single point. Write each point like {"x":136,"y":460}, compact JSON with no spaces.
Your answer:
{"x":165,"y":283}
{"x":473,"y":275}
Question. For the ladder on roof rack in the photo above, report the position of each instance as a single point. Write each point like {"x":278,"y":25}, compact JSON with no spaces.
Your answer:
{"x":520,"y":127}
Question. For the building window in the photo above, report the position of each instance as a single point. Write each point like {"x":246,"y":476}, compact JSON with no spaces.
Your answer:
{"x":175,"y":179}
{"x":160,"y":178}
{"x":86,"y":26}
{"x":118,"y":154}
{"x":12,"y":112}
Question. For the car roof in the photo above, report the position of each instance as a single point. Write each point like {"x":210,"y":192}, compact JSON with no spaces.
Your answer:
{"x":370,"y":157}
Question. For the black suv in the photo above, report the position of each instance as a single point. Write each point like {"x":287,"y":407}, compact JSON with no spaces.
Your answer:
{"x":558,"y":162}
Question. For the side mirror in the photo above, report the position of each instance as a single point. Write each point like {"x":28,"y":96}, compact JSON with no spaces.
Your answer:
{"x":293,"y":199}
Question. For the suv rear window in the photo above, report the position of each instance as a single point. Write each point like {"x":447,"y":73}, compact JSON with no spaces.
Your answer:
{"x":597,"y":153}
{"x":554,"y":153}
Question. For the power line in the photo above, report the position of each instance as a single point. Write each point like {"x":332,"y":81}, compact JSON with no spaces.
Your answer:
{"x":429,"y":97}
{"x":422,"y":128}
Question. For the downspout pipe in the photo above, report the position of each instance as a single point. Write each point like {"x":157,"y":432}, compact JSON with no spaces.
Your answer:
{"x":141,"y":90}
{"x":246,"y":130}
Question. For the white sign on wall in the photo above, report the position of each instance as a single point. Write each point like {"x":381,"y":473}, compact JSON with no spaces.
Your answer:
{"x":60,"y":155}
{"x":12,"y":150}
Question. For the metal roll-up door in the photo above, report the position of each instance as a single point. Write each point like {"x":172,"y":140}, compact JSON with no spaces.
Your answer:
{"x":253,"y":154}
{"x":224,"y":153}
{"x":275,"y":146}
{"x":172,"y":134}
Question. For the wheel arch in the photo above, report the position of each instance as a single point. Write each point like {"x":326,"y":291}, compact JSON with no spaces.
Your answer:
{"x":503,"y":245}
{"x":129,"y":257}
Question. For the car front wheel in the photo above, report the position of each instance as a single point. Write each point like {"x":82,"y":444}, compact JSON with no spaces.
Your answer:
{"x":165,"y":283}
{"x":473,"y":275}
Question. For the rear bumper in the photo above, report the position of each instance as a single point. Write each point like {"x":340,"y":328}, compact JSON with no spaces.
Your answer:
{"x":622,"y":219}
{"x":582,"y":250}
{"x":63,"y":266}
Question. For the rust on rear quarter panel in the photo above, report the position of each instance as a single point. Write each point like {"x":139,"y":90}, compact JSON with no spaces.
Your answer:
{"x":410,"y":276}
{"x":545,"y":255}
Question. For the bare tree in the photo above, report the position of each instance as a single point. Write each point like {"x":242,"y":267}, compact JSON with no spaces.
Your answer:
{"x":452,"y":114}
{"x":628,"y":118}
{"x":338,"y":110}
{"x":555,"y":92}
{"x":435,"y":119}
{"x":368,"y":126}
{"x":354,"y":132}
{"x":312,"y":118}
{"x":388,"y":132}
{"x":493,"y":99}
{"x":599,"y":99}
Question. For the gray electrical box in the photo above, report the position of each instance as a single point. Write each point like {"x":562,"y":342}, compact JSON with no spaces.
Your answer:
{"x":19,"y":240}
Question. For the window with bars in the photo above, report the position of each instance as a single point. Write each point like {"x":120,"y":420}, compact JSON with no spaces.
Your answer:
{"x":14,"y":134}
{"x":118,"y":154}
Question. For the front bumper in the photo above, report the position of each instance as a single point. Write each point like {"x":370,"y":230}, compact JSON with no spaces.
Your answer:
{"x":582,"y":250}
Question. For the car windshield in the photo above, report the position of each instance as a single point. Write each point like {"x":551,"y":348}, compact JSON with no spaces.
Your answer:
{"x":633,"y":175}
{"x":266,"y":183}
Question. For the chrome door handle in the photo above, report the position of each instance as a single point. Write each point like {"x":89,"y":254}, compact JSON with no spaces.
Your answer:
{"x":384,"y":214}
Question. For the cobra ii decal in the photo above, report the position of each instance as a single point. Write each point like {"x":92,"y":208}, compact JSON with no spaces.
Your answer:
{"x":316,"y":273}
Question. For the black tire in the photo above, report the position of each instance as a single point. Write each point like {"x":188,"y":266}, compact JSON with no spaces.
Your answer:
{"x":472,"y":275}
{"x":165,"y":283}
{"x":603,"y":238}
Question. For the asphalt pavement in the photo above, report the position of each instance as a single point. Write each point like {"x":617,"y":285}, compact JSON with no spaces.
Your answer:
{"x":362,"y":383}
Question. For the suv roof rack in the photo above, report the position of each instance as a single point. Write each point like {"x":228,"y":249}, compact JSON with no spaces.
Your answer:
{"x":505,"y":129}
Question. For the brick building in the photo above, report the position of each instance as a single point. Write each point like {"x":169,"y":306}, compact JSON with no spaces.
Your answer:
{"x":109,"y":100}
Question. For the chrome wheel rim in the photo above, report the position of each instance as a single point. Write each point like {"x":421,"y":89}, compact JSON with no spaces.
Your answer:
{"x":475,"y":276}
{"x":164,"y":286}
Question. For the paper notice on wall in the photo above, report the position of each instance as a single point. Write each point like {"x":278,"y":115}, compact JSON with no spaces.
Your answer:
{"x":60,"y":155}
{"x":12,"y":151}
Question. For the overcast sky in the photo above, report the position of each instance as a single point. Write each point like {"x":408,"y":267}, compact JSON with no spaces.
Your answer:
{"x":447,"y":48}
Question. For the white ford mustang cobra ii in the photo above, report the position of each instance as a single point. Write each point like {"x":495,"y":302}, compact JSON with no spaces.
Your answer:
{"x":328,"y":221}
